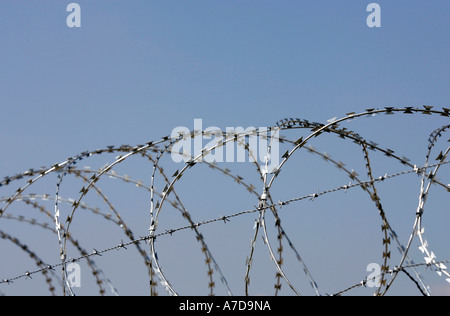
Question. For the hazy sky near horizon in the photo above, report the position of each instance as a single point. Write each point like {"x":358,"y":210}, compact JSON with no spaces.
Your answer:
{"x":137,"y":69}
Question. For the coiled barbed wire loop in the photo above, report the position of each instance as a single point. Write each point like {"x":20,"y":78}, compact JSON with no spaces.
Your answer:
{"x":186,"y":223}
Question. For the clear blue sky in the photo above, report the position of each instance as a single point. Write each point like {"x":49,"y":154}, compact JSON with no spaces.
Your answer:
{"x":137,"y":69}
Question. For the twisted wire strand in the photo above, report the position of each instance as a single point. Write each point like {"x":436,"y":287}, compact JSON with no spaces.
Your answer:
{"x":226,"y":219}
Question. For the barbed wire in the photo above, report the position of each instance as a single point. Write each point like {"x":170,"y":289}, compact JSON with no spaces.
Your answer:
{"x":156,"y":152}
{"x":225,"y":219}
